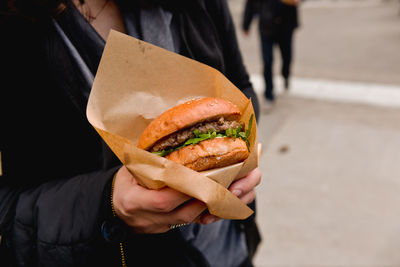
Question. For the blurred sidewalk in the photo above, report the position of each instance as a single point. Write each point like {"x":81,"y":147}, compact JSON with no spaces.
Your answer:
{"x":331,"y":175}
{"x":331,"y":182}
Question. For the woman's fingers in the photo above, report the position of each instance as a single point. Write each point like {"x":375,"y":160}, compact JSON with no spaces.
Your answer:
{"x":153,"y":211}
{"x":249,"y":197}
{"x":187,"y":213}
{"x":208,"y":218}
{"x":164,"y":200}
{"x":154,"y":222}
{"x":246,"y":184}
{"x":242,"y":188}
{"x":130,"y":196}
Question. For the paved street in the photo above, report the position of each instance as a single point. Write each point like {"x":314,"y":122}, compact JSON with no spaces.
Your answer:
{"x":331,"y":178}
{"x":330,"y":189}
{"x":350,"y":40}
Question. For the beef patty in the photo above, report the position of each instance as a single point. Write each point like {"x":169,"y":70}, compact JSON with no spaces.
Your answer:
{"x":180,"y":137}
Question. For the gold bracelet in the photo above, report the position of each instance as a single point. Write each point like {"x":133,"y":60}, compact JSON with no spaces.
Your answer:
{"x":121,"y":245}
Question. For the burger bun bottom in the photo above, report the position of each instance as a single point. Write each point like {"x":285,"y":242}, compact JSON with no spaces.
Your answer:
{"x":210,"y":154}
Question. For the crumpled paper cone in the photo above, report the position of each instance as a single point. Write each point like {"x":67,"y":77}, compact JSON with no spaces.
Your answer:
{"x":136,"y":82}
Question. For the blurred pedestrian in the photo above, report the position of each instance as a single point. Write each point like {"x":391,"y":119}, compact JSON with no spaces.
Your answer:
{"x":65,"y":199}
{"x":277,"y":22}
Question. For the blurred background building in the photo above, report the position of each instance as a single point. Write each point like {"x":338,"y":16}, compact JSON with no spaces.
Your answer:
{"x":331,"y":164}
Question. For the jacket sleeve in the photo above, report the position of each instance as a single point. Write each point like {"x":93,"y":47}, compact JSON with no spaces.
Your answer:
{"x":250,"y":11}
{"x":235,"y":70}
{"x":50,"y":212}
{"x":57,"y":217}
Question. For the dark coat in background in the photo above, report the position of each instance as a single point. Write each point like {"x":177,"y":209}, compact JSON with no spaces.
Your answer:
{"x":274,"y":16}
{"x":55,"y":186}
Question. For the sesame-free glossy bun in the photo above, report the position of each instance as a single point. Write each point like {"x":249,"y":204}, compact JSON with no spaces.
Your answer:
{"x":186,"y":115}
{"x":210,"y":154}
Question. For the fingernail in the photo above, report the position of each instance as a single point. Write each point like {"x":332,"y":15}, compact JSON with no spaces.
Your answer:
{"x":237,"y":192}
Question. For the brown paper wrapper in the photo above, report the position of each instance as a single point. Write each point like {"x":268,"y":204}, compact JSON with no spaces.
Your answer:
{"x":137,"y":81}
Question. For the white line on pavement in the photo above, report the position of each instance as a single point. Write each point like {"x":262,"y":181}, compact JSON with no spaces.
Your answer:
{"x":332,"y":90}
{"x":342,"y":3}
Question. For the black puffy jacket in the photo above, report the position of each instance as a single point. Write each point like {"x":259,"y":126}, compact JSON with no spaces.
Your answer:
{"x":56,"y":170}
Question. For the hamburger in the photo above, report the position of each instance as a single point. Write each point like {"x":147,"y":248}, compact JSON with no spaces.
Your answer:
{"x":200,"y":134}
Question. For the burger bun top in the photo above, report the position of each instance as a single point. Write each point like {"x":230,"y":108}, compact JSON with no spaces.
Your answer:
{"x":186,"y":115}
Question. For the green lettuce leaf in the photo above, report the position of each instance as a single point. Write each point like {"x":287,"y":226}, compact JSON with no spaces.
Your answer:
{"x":234,"y":133}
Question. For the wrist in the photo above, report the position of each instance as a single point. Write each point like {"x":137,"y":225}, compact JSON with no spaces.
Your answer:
{"x":113,"y":229}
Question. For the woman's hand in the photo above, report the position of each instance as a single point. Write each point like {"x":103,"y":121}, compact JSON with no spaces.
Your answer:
{"x":151,"y":211}
{"x":244,"y":188}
